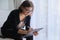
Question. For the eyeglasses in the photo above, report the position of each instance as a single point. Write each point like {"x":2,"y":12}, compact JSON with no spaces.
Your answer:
{"x":28,"y":9}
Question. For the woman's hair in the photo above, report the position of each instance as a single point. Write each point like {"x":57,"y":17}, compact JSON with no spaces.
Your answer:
{"x":26,"y":4}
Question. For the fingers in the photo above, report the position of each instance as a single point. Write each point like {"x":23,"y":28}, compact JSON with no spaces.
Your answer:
{"x":30,"y":29}
{"x":29,"y":14}
{"x":35,"y":33}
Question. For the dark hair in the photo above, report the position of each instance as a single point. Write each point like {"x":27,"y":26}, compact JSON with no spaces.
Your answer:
{"x":26,"y":4}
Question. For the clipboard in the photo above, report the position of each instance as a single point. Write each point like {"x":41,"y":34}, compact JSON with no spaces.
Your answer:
{"x":31,"y":33}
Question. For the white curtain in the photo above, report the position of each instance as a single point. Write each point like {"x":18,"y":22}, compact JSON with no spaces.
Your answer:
{"x":47,"y":15}
{"x":53,"y":19}
{"x":39,"y":18}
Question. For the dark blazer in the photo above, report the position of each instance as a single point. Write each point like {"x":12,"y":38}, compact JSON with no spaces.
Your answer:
{"x":9,"y":28}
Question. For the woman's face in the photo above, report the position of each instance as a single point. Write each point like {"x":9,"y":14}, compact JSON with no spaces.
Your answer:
{"x":28,"y":10}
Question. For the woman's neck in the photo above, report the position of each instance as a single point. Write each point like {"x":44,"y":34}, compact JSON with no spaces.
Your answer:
{"x":22,"y":16}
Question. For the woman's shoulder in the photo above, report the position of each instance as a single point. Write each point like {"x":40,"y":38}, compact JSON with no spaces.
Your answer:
{"x":14,"y":12}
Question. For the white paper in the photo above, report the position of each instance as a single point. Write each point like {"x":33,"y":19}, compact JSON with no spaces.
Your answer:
{"x":31,"y":33}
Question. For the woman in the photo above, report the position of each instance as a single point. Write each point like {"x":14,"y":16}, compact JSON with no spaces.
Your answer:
{"x":17,"y":19}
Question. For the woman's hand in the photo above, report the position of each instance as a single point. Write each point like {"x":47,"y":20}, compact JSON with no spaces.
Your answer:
{"x":35,"y":33}
{"x":20,"y":31}
{"x":30,"y":29}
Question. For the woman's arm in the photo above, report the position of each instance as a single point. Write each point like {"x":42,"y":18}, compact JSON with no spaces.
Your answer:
{"x":20,"y":31}
{"x":9,"y":25}
{"x":27,"y":22}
